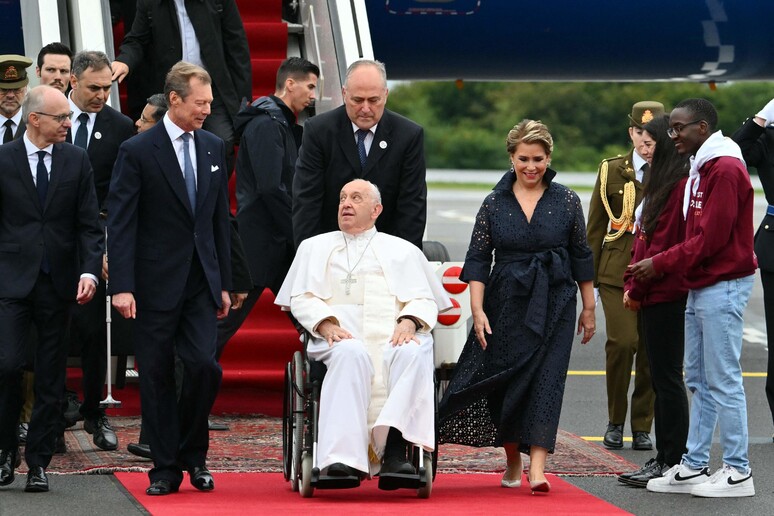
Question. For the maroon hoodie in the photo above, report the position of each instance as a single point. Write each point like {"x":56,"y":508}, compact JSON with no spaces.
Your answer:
{"x":718,"y":242}
{"x":670,"y":231}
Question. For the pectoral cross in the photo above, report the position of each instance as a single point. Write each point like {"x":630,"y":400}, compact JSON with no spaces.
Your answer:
{"x":347,"y":282}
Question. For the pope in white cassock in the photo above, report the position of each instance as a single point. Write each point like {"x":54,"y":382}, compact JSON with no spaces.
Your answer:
{"x":369,"y":301}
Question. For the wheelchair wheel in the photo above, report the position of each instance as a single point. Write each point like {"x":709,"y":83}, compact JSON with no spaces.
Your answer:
{"x":306,"y":488}
{"x":429,"y":467}
{"x":296,"y":373}
{"x":287,"y":424}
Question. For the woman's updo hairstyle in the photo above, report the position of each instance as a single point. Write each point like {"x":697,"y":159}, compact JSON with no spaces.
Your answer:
{"x":529,"y":131}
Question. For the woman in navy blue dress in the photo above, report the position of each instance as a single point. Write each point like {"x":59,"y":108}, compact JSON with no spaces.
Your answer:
{"x":509,"y":381}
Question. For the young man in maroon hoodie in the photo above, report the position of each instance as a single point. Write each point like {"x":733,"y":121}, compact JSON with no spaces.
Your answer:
{"x":719,"y":264}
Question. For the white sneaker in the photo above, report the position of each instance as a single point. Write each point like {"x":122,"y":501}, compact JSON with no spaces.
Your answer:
{"x":678,"y":479}
{"x":726,"y":482}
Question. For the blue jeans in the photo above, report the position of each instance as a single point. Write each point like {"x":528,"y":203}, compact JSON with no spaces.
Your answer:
{"x":713,"y":345}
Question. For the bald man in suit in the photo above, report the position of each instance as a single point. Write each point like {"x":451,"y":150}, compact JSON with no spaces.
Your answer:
{"x":51,"y":247}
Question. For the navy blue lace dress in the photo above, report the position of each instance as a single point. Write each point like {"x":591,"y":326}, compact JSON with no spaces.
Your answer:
{"x":513,"y":390}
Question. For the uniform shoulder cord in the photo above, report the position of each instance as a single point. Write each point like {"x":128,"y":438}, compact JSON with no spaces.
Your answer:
{"x":629,"y":198}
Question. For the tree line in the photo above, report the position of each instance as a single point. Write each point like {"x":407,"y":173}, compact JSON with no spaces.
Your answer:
{"x":466,"y":123}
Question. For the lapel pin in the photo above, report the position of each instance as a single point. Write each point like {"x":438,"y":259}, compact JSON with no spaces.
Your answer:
{"x":98,"y":135}
{"x":382,"y":144}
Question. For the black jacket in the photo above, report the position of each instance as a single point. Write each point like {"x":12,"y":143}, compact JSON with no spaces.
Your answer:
{"x":221,"y":36}
{"x":328,"y":160}
{"x":265,"y":167}
{"x":66,"y":228}
{"x":757,"y":144}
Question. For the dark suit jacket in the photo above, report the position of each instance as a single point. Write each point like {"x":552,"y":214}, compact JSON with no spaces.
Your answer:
{"x":757,"y":144}
{"x":111,"y":129}
{"x":152,"y":233}
{"x":611,"y":258}
{"x":221,"y":36}
{"x":328,"y":160}
{"x":67,"y":227}
{"x":21,"y":130}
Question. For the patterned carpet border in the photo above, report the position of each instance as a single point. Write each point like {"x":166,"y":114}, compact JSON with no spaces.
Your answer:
{"x":254,"y":444}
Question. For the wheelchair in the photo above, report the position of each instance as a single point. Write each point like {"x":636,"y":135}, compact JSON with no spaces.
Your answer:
{"x":301,"y":407}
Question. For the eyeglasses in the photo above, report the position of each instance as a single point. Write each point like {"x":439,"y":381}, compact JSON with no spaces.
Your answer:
{"x":672,"y":132}
{"x":60,"y":119}
{"x":12,"y":91}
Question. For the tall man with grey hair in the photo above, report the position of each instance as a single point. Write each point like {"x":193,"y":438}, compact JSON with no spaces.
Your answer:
{"x":370,"y":301}
{"x":99,"y":130}
{"x":361,"y":139}
{"x":170,"y":270}
{"x":51,"y":251}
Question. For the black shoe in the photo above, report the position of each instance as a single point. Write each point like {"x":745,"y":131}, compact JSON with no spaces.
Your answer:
{"x":139,"y":449}
{"x":641,"y":441}
{"x":613,"y":437}
{"x":201,"y":478}
{"x":339,"y":469}
{"x":630,"y":474}
{"x":396,"y":473}
{"x":104,"y":435}
{"x":397,"y":466}
{"x":72,"y":413}
{"x":60,"y":446}
{"x":161,"y":488}
{"x":217,"y":427}
{"x":656,"y":470}
{"x":9,"y":461}
{"x":23,"y":429}
{"x":37,"y":481}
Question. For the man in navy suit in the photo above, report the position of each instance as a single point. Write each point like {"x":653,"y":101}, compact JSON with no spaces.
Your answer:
{"x":361,"y":139}
{"x":170,"y":270}
{"x":50,"y":253}
{"x":100,"y":130}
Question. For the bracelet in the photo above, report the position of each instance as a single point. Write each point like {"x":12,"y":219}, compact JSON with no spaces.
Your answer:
{"x":412,"y":319}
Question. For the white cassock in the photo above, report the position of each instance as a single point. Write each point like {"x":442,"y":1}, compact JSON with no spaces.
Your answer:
{"x":370,"y":385}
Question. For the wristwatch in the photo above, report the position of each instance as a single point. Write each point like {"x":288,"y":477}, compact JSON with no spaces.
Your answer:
{"x":412,"y":319}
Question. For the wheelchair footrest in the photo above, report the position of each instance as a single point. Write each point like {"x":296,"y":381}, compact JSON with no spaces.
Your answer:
{"x":393,"y":481}
{"x":326,"y":482}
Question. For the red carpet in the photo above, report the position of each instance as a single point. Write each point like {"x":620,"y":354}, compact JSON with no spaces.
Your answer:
{"x":268,"y":493}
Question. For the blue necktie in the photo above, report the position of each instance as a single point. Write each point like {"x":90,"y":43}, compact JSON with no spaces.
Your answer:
{"x":361,"y":151}
{"x":41,"y":182}
{"x":188,"y":172}
{"x":82,"y":134}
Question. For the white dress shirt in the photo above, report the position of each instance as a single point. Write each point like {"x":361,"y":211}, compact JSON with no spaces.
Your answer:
{"x":191,"y":50}
{"x":369,"y":139}
{"x":176,"y":135}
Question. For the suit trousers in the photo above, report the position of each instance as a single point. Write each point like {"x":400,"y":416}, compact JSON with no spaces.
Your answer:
{"x":767,"y":279}
{"x":90,"y":332}
{"x":664,"y":335}
{"x":49,"y":313}
{"x":177,"y":429}
{"x":623,"y":345}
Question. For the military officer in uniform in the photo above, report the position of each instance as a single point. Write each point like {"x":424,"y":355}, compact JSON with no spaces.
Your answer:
{"x":617,"y":193}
